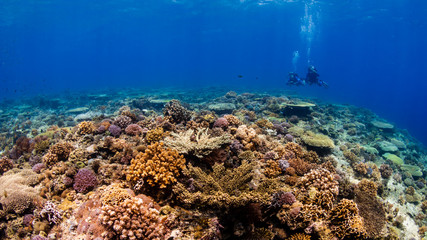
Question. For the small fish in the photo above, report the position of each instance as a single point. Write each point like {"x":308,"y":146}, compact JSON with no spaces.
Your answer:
{"x":240,"y":76}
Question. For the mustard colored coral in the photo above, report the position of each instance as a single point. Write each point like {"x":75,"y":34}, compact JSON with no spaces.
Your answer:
{"x":86,"y":127}
{"x":157,"y":166}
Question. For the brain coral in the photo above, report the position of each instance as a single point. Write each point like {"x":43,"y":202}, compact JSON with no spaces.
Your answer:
{"x":157,"y":166}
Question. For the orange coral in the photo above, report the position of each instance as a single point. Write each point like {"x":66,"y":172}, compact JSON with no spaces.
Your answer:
{"x":156,"y":166}
{"x":346,"y":222}
{"x":300,"y":236}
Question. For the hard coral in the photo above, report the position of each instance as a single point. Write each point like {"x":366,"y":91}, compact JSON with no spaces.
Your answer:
{"x":122,"y":121}
{"x":157,"y":166}
{"x":346,"y":222}
{"x":133,"y":219}
{"x":133,"y":129}
{"x":115,"y":130}
{"x":86,"y":127}
{"x":198,"y":144}
{"x":5,"y":165}
{"x":176,"y":112}
{"x":317,"y":181}
{"x":223,"y":188}
{"x":51,"y":212}
{"x":84,"y":180}
{"x":154,"y":135}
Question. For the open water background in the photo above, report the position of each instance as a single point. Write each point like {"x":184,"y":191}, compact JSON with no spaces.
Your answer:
{"x":371,"y":53}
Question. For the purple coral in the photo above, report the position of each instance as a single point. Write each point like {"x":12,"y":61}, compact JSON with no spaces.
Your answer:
{"x":115,"y":130}
{"x":27,"y":220}
{"x":38,"y":167}
{"x":85,"y":180}
{"x":38,"y":237}
{"x":236,"y":146}
{"x":281,"y":197}
{"x":221,"y":123}
{"x":283,"y":164}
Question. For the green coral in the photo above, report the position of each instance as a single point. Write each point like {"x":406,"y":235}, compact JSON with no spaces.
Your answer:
{"x":394,"y":158}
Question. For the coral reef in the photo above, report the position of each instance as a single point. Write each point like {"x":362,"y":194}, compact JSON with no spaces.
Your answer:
{"x":268,"y":169}
{"x":198,"y":144}
{"x":157,"y":167}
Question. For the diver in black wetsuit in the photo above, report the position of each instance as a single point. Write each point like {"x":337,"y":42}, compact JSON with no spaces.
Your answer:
{"x":311,"y":78}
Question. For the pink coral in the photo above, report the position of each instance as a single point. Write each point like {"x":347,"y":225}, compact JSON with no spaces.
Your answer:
{"x":133,"y":129}
{"x":85,"y":180}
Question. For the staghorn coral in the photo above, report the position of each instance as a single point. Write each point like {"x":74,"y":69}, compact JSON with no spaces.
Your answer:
{"x":157,"y":166}
{"x":131,"y":219}
{"x":176,"y":112}
{"x":199,"y":144}
{"x":222,"y":188}
{"x":5,"y":165}
{"x":86,"y":127}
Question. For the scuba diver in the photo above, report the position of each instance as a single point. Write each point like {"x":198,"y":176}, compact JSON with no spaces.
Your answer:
{"x":294,"y":79}
{"x":311,"y":78}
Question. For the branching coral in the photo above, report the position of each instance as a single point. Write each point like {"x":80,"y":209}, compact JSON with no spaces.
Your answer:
{"x":199,"y":144}
{"x":51,"y":212}
{"x":154,"y":135}
{"x":131,"y":219}
{"x":222,"y":188}
{"x":319,"y":179}
{"x":345,"y":221}
{"x":86,"y":127}
{"x":157,"y":166}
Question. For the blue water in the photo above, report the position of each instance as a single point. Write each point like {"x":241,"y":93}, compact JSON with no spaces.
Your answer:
{"x":371,"y":53}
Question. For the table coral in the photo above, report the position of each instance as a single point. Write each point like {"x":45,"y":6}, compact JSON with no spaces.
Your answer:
{"x":157,"y":166}
{"x":199,"y":144}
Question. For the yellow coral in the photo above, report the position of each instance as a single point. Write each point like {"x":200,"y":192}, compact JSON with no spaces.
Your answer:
{"x":317,"y":140}
{"x":86,"y":127}
{"x":272,"y":169}
{"x":300,"y":236}
{"x":157,"y":166}
{"x":154,"y":135}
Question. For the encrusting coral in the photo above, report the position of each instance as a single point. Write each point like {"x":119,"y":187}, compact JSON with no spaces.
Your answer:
{"x":199,"y":144}
{"x":157,"y":167}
